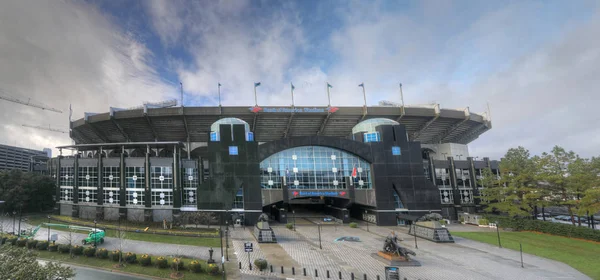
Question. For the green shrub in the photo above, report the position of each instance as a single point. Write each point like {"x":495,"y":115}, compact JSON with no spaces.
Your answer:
{"x":52,"y":247}
{"x":195,"y":267}
{"x":114,"y":255}
{"x":176,"y":264}
{"x":89,"y":251}
{"x":213,"y":269}
{"x":289,"y":226}
{"x":161,"y":262}
{"x":21,"y":242}
{"x":42,"y":245}
{"x":261,"y":264}
{"x":130,"y":257}
{"x":484,"y":222}
{"x":31,"y":243}
{"x":145,"y":260}
{"x":77,"y":250}
{"x":3,"y":240}
{"x":566,"y":230}
{"x":353,"y":225}
{"x":64,"y":248}
{"x":102,"y":253}
{"x":12,"y":240}
{"x":462,"y":219}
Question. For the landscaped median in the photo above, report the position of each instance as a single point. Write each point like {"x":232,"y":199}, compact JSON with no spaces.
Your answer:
{"x":201,"y":237}
{"x":579,"y":254}
{"x":127,"y":262}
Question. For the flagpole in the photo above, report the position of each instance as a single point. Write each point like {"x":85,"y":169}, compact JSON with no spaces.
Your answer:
{"x":328,"y":95}
{"x":292,"y":94}
{"x":402,"y":98}
{"x":219,"y":94}
{"x":364,"y":94}
{"x":255,"y":99}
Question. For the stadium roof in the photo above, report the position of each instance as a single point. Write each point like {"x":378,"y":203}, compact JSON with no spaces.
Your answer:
{"x":427,"y":124}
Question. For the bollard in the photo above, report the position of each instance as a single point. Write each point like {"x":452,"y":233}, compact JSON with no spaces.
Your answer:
{"x":316,"y":273}
{"x":282,"y":269}
{"x":327,"y":274}
{"x":352,"y":275}
{"x":377,"y":277}
{"x":340,"y":274}
{"x":293,"y":270}
{"x":250,"y":264}
{"x":365,"y":278}
{"x":304,"y":269}
{"x":240,"y":265}
{"x":271,"y":268}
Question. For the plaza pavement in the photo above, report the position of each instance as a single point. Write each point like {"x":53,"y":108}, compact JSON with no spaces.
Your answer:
{"x":464,"y":259}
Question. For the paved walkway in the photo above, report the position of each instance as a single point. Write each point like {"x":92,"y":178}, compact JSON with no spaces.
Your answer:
{"x":138,"y":247}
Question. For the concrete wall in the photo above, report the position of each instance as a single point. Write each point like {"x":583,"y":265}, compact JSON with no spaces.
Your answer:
{"x":158,"y":215}
{"x":135,"y":214}
{"x":87,"y":212}
{"x":111,"y":213}
{"x":66,"y":210}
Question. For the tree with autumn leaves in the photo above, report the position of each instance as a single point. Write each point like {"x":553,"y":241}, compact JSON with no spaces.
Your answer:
{"x":557,"y":178}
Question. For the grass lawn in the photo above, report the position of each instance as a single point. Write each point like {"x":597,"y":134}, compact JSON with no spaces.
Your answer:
{"x":579,"y":254}
{"x":131,"y":268}
{"x":140,"y":236}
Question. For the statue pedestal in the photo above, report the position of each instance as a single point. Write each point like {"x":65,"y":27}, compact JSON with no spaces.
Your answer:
{"x":394,"y":259}
{"x":264,"y":233}
{"x":431,"y":231}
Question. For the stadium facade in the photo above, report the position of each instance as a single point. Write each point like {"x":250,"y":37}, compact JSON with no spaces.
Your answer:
{"x":383,"y":165}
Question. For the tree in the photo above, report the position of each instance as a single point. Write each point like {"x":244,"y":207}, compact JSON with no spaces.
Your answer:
{"x":554,"y":170}
{"x":515,"y":192}
{"x":590,"y":203}
{"x":69,"y":237}
{"x":20,"y":263}
{"x":26,"y":191}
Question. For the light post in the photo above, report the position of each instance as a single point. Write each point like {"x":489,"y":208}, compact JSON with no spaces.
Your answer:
{"x":366,"y":220}
{"x":95,"y":234}
{"x":319,"y":227}
{"x":227,"y":240}
{"x":48,"y":226}
{"x":294,"y":217}
{"x":415,"y":234}
{"x":498,"y":232}
{"x":14,"y":215}
{"x":20,"y":218}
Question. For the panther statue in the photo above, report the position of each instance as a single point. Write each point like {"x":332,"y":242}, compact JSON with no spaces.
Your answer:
{"x":263,"y":217}
{"x":390,"y":245}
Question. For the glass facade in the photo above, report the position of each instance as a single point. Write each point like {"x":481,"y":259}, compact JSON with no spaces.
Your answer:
{"x":111,"y":183}
{"x":88,"y":184}
{"x":371,"y":137}
{"x":67,"y":181}
{"x":190,"y":185}
{"x":314,"y":167}
{"x":397,"y":202}
{"x":238,"y":202}
{"x":136,"y":183}
{"x":161,"y":179}
{"x":215,"y":128}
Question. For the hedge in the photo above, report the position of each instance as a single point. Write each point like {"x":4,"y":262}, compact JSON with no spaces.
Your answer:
{"x":42,"y":245}
{"x":176,"y":264}
{"x":130,"y":257}
{"x":12,"y":240}
{"x":52,"y":247}
{"x":77,"y":250}
{"x":31,"y":243}
{"x":520,"y":224}
{"x":145,"y":260}
{"x":89,"y":251}
{"x":64,"y":248}
{"x":353,"y":225}
{"x":161,"y":262}
{"x":261,"y":264}
{"x":102,"y":253}
{"x":289,"y":226}
{"x":483,"y":222}
{"x":21,"y":242}
{"x":195,"y":267}
{"x":114,"y":255}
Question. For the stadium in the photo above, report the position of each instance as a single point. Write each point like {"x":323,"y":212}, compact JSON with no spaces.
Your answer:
{"x":383,"y":164}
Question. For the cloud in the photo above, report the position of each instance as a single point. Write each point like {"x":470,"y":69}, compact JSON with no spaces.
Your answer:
{"x":59,"y":53}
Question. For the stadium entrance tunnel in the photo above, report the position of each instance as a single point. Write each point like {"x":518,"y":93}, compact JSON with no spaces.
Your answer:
{"x":318,"y":210}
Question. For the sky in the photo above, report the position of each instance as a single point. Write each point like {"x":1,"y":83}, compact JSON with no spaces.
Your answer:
{"x":536,"y":63}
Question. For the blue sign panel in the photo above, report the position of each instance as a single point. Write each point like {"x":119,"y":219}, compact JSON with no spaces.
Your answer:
{"x":233,"y":150}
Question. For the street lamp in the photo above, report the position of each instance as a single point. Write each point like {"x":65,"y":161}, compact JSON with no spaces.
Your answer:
{"x":498,"y":232}
{"x":14,"y":215}
{"x":48,"y":226}
{"x":415,"y":234}
{"x":294,"y":216}
{"x":319,"y":227}
{"x":95,"y":234}
{"x":366,"y":220}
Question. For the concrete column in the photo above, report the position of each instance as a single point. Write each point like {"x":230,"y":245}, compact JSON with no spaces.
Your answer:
{"x":58,"y":176}
{"x":431,"y":168}
{"x":176,"y":178}
{"x":454,"y":184}
{"x":100,"y":192}
{"x":147,"y":193}
{"x":473,"y":178}
{"x":122,"y":192}
{"x":76,"y":179}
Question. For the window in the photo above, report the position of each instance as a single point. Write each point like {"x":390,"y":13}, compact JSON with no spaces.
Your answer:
{"x":214,"y":136}
{"x":190,"y":185}
{"x":238,"y":202}
{"x":88,"y":184}
{"x":314,"y":167}
{"x":446,"y":196}
{"x":233,"y":150}
{"x":161,"y":180}
{"x":135,"y":178}
{"x":111,"y":184}
{"x":371,"y":137}
{"x":250,"y":136}
{"x":396,"y":151}
{"x":397,"y":202}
